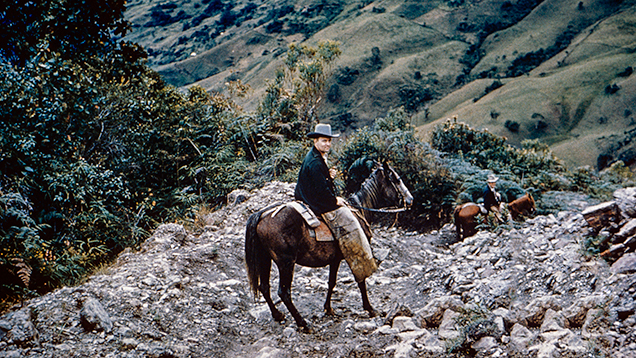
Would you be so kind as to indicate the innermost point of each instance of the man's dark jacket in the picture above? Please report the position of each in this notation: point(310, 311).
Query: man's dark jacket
point(315, 186)
point(490, 198)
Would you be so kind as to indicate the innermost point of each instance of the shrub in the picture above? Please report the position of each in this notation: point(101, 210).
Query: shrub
point(533, 163)
point(392, 139)
point(512, 126)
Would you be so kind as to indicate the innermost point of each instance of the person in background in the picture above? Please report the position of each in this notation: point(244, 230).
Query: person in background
point(492, 199)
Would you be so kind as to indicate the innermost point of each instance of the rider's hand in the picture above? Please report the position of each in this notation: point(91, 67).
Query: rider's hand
point(340, 201)
point(333, 172)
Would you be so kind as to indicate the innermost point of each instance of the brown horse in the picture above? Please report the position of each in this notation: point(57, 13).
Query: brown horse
point(465, 222)
point(285, 239)
point(465, 214)
point(521, 206)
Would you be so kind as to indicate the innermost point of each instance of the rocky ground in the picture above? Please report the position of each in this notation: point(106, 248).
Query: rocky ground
point(528, 291)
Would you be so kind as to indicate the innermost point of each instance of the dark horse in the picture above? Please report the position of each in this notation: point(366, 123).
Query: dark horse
point(465, 214)
point(285, 239)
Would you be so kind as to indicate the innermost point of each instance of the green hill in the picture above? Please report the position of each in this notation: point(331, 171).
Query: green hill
point(555, 70)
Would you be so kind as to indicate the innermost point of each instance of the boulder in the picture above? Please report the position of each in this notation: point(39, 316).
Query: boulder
point(22, 331)
point(520, 337)
point(625, 265)
point(535, 311)
point(432, 314)
point(447, 328)
point(93, 316)
point(626, 201)
point(553, 321)
point(601, 215)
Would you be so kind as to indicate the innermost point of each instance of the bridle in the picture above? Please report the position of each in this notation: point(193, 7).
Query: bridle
point(388, 209)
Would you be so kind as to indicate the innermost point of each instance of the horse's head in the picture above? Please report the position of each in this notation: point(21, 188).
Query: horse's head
point(531, 204)
point(382, 191)
point(395, 190)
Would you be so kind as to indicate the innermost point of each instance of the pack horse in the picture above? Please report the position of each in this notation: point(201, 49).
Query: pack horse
point(285, 239)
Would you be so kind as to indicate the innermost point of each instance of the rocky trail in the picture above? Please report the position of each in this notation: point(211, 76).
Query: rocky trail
point(525, 292)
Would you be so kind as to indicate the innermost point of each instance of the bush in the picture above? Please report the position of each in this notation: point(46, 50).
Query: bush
point(533, 164)
point(392, 139)
point(512, 126)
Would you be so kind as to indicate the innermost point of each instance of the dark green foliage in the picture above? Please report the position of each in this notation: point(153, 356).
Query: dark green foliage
point(496, 84)
point(413, 96)
point(71, 30)
point(512, 126)
point(611, 89)
point(488, 151)
point(627, 72)
point(594, 245)
point(392, 139)
point(474, 323)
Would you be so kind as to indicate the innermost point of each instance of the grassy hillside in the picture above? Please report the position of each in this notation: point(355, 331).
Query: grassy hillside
point(580, 102)
point(555, 70)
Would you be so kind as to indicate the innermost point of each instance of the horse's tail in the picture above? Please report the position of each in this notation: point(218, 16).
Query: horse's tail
point(253, 252)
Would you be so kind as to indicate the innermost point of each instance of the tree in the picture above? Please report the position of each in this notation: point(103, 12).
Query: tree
point(67, 27)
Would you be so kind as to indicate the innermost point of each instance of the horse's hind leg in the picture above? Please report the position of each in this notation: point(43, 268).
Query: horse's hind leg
point(333, 274)
point(264, 271)
point(286, 273)
point(365, 298)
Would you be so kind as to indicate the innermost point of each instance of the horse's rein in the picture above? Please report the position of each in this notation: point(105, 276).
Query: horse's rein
point(383, 210)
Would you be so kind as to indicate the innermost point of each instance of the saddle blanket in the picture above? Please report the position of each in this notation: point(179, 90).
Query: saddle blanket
point(317, 229)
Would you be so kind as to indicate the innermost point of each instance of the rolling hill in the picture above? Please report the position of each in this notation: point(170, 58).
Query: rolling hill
point(555, 70)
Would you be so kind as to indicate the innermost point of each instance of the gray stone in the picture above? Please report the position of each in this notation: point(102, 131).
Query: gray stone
point(596, 322)
point(553, 321)
point(430, 344)
point(269, 352)
point(520, 337)
point(365, 326)
point(545, 350)
point(164, 237)
point(625, 265)
point(535, 310)
point(402, 324)
point(626, 200)
point(627, 230)
point(447, 328)
point(432, 314)
point(575, 313)
point(93, 316)
point(23, 332)
point(485, 344)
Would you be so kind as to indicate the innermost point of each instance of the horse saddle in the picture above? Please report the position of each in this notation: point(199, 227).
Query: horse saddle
point(317, 228)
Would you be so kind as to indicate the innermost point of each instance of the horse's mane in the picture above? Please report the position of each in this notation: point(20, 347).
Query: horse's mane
point(367, 195)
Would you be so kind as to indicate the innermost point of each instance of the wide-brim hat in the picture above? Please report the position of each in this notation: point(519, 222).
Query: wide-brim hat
point(322, 130)
point(492, 178)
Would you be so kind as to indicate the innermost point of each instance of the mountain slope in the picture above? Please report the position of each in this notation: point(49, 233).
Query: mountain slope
point(523, 69)
point(581, 101)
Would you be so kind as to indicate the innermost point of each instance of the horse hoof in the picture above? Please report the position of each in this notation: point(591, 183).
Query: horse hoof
point(307, 330)
point(330, 312)
point(278, 317)
point(372, 313)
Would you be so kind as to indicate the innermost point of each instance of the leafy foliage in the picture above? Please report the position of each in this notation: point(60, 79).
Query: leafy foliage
point(533, 164)
point(97, 150)
point(392, 139)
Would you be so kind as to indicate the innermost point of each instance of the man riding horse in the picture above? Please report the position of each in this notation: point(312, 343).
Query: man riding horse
point(492, 199)
point(316, 188)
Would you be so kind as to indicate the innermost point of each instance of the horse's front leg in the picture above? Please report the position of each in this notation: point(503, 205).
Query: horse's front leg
point(365, 298)
point(286, 273)
point(333, 274)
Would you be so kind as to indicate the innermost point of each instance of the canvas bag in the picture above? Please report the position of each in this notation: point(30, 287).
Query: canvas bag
point(352, 241)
